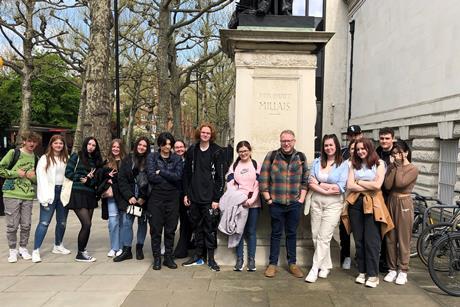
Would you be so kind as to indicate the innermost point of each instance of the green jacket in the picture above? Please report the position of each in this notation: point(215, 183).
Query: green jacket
point(15, 186)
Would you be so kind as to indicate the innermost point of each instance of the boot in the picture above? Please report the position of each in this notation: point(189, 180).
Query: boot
point(212, 264)
point(125, 254)
point(169, 262)
point(139, 252)
point(156, 263)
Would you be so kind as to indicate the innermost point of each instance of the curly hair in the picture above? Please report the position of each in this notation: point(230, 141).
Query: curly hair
point(210, 126)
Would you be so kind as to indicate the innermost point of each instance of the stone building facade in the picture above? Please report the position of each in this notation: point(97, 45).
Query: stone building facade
point(405, 75)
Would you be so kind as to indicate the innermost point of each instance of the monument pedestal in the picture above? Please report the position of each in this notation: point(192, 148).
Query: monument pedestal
point(275, 90)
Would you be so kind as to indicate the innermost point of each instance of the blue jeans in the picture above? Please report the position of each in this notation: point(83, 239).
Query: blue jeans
point(114, 224)
point(287, 217)
point(127, 229)
point(250, 234)
point(46, 214)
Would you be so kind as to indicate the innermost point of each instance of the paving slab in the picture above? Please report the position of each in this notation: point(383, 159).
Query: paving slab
point(31, 299)
point(57, 269)
point(151, 297)
point(243, 299)
point(8, 281)
point(47, 283)
point(87, 299)
point(13, 269)
point(127, 267)
point(109, 283)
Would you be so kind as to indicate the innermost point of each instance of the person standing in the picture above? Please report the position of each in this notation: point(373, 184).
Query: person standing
point(366, 214)
point(81, 169)
point(328, 182)
point(185, 229)
point(203, 187)
point(386, 139)
point(18, 169)
point(399, 181)
point(283, 183)
point(108, 190)
point(133, 190)
point(164, 171)
point(354, 133)
point(243, 176)
point(50, 176)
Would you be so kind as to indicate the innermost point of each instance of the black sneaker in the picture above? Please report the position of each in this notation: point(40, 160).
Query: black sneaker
point(251, 265)
point(169, 262)
point(194, 260)
point(239, 265)
point(84, 257)
point(212, 264)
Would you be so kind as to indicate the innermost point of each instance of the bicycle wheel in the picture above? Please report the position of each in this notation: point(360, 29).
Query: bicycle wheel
point(445, 254)
point(428, 237)
point(416, 231)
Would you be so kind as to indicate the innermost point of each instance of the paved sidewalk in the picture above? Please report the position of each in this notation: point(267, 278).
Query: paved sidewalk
point(60, 281)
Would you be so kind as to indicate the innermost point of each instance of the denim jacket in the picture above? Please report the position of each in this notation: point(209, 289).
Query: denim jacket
point(338, 174)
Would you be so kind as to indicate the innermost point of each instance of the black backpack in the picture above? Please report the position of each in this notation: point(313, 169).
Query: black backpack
point(16, 155)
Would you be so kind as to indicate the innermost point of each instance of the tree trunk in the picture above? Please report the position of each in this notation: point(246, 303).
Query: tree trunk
point(163, 58)
point(130, 129)
point(99, 106)
point(27, 71)
point(78, 137)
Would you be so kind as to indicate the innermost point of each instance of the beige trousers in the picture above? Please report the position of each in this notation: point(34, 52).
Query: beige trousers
point(325, 215)
point(18, 212)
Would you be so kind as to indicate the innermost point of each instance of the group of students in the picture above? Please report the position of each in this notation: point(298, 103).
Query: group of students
point(173, 184)
point(370, 194)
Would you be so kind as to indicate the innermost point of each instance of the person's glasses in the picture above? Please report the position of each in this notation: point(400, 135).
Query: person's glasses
point(395, 153)
point(286, 141)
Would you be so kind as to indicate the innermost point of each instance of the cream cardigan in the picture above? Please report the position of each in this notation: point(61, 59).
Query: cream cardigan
point(46, 180)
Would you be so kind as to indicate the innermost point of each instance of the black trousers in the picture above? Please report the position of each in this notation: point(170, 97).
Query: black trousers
point(366, 232)
point(344, 242)
point(185, 230)
point(204, 223)
point(163, 207)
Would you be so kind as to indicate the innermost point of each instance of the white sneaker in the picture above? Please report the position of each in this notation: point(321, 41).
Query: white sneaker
point(111, 253)
point(118, 253)
point(401, 279)
point(36, 256)
point(312, 275)
point(13, 257)
point(360, 279)
point(346, 265)
point(24, 253)
point(391, 276)
point(60, 249)
point(323, 273)
point(372, 282)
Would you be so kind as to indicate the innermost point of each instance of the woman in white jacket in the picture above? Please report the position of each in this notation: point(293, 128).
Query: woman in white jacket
point(50, 176)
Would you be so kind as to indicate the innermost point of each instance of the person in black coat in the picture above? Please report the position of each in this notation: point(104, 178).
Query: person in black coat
point(164, 171)
point(133, 190)
point(204, 173)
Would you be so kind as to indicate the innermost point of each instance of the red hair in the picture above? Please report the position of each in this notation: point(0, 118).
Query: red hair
point(210, 126)
point(372, 157)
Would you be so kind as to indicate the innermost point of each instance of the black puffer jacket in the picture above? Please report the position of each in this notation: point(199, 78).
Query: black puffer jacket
point(170, 171)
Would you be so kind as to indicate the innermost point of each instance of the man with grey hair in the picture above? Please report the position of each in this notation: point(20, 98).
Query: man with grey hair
point(283, 183)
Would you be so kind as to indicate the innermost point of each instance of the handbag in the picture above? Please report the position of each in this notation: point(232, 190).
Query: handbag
point(67, 187)
point(134, 210)
point(108, 193)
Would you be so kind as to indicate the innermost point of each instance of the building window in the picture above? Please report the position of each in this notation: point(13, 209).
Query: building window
point(447, 170)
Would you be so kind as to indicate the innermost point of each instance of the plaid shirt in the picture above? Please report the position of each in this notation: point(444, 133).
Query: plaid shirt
point(282, 180)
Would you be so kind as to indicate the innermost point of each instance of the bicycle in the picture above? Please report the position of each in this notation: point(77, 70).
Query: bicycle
point(420, 204)
point(444, 263)
point(433, 232)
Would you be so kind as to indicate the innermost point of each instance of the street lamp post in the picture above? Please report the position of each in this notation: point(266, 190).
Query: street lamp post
point(117, 69)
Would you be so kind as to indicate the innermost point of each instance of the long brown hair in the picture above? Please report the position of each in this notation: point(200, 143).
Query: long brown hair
point(372, 157)
point(50, 156)
point(111, 159)
point(337, 156)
